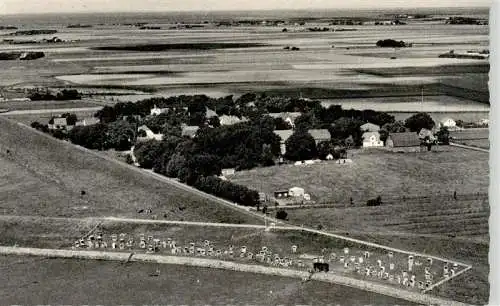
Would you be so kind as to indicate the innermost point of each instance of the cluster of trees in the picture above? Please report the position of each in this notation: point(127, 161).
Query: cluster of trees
point(118, 135)
point(65, 94)
point(227, 190)
point(391, 43)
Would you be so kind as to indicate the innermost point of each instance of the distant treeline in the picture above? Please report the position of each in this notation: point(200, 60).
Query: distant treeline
point(33, 32)
point(466, 20)
point(8, 28)
point(65, 94)
point(23, 56)
point(180, 46)
point(72, 26)
point(391, 43)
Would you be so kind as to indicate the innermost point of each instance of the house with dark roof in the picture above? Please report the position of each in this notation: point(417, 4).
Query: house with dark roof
point(369, 127)
point(319, 135)
point(403, 142)
point(189, 131)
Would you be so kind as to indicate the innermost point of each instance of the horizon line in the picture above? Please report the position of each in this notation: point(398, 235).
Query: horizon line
point(249, 10)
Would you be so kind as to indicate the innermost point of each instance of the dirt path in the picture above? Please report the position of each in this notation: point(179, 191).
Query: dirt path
point(219, 264)
point(469, 147)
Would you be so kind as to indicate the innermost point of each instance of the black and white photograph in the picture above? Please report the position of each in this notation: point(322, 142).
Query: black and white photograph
point(283, 152)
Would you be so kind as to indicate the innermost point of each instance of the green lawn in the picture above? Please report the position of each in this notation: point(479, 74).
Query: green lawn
point(30, 280)
point(373, 173)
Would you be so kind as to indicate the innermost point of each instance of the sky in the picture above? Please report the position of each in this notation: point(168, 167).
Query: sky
point(54, 6)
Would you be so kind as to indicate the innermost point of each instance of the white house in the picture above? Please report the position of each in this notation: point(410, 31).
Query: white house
point(296, 192)
point(157, 111)
point(228, 171)
point(230, 120)
point(369, 127)
point(372, 140)
point(149, 134)
point(448, 122)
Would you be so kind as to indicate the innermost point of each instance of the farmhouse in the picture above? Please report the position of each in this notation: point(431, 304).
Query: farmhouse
point(296, 192)
point(369, 127)
point(371, 140)
point(403, 142)
point(157, 111)
point(59, 123)
point(149, 134)
point(189, 131)
point(281, 194)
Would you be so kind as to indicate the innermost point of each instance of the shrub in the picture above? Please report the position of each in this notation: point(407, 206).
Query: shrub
point(281, 214)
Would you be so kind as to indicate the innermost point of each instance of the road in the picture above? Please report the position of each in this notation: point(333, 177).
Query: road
point(415, 297)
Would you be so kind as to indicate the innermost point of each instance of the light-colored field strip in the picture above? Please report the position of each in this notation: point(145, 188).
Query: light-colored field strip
point(236, 207)
point(469, 147)
point(219, 264)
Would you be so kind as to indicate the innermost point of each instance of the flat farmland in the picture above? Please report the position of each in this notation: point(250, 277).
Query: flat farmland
point(54, 173)
point(37, 105)
point(68, 281)
point(372, 173)
point(432, 217)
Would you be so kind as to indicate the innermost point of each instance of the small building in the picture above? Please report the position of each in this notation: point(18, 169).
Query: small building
point(483, 122)
point(281, 194)
point(372, 140)
point(157, 111)
point(59, 123)
point(228, 172)
point(448, 122)
point(426, 134)
point(369, 127)
point(230, 120)
point(329, 157)
point(296, 192)
point(149, 134)
point(403, 142)
point(189, 131)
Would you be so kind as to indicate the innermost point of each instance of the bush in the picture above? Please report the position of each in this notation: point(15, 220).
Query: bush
point(374, 202)
point(281, 214)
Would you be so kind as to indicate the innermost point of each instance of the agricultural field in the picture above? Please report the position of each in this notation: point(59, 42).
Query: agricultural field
point(377, 172)
point(51, 174)
point(67, 281)
point(45, 105)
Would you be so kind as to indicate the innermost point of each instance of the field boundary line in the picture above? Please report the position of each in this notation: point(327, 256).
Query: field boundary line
point(227, 265)
point(468, 147)
point(447, 279)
